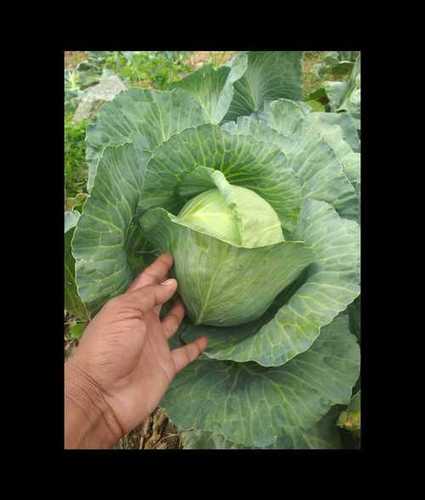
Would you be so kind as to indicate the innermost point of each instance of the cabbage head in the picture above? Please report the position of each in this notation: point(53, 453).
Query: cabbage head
point(257, 198)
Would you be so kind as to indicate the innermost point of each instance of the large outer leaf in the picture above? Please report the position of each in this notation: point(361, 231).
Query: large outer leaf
point(202, 440)
point(269, 76)
point(73, 304)
point(223, 284)
point(107, 242)
point(318, 155)
point(152, 115)
point(334, 128)
point(351, 101)
point(335, 92)
point(323, 435)
point(254, 406)
point(318, 148)
point(331, 284)
point(346, 96)
point(345, 122)
point(258, 129)
point(244, 161)
point(213, 89)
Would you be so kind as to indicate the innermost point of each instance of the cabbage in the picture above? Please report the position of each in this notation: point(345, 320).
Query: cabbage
point(257, 198)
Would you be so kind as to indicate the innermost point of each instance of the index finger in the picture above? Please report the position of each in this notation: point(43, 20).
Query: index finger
point(153, 274)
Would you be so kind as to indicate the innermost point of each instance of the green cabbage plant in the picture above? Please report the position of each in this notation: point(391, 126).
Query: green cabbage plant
point(257, 198)
point(341, 96)
point(337, 63)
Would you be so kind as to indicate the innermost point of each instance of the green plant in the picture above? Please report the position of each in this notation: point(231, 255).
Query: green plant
point(336, 64)
point(75, 162)
point(90, 70)
point(71, 90)
point(341, 96)
point(73, 304)
point(257, 198)
point(350, 418)
point(345, 96)
point(149, 68)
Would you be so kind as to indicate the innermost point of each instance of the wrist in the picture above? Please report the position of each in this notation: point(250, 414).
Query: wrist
point(89, 421)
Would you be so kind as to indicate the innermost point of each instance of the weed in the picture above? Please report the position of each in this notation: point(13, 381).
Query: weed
point(149, 69)
point(75, 162)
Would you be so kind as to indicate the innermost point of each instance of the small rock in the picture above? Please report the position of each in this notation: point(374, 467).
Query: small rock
point(109, 86)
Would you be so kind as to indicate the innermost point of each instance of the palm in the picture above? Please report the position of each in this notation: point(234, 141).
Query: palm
point(130, 345)
point(154, 370)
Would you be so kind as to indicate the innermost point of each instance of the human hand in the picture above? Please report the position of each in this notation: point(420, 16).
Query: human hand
point(123, 364)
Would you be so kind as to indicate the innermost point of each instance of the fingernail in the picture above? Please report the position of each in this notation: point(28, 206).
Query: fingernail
point(169, 282)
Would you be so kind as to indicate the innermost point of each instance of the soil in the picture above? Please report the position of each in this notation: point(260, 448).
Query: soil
point(157, 432)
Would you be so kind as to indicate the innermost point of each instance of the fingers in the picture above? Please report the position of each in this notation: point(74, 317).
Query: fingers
point(155, 273)
point(173, 319)
point(182, 356)
point(146, 298)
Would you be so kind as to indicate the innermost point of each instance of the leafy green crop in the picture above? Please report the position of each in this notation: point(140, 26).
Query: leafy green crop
point(337, 63)
point(257, 197)
point(341, 95)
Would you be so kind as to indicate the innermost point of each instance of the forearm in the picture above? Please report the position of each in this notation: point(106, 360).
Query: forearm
point(89, 421)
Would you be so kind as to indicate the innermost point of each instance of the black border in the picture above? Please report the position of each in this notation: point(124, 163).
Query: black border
point(178, 456)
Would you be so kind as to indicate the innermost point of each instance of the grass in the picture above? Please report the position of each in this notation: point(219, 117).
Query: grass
point(149, 69)
point(75, 162)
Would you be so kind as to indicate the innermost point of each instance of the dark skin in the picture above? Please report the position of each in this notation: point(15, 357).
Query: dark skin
point(123, 364)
